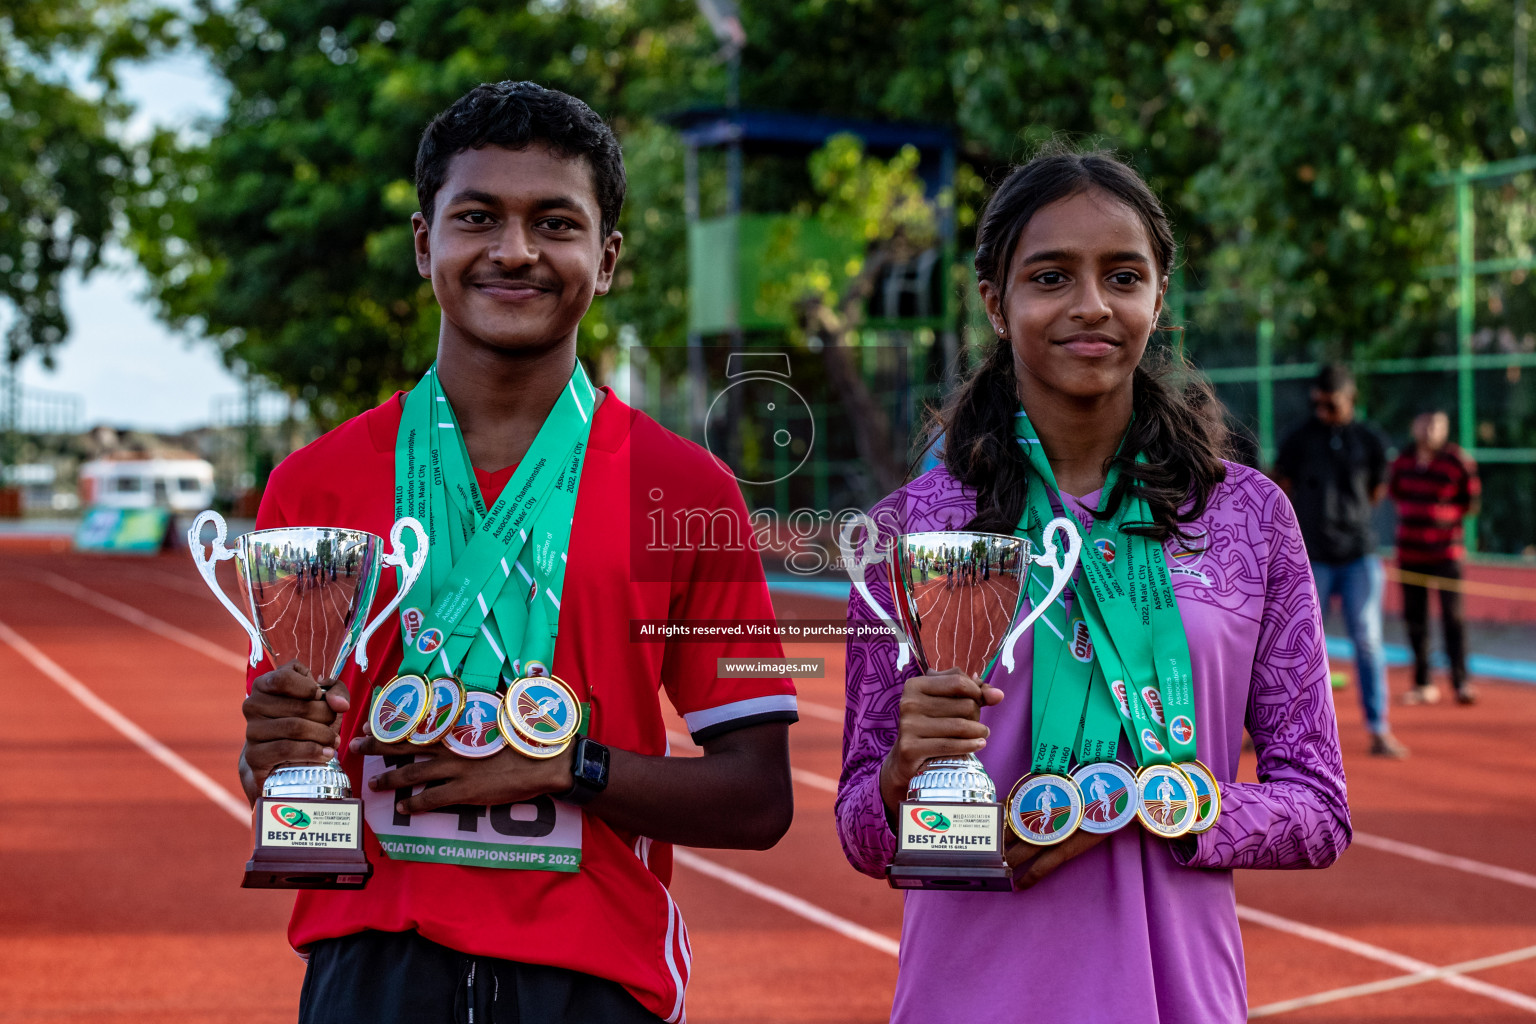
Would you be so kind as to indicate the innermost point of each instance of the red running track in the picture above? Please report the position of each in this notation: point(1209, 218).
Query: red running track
point(121, 900)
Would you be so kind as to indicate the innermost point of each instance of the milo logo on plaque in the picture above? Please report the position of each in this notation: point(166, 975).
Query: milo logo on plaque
point(1082, 642)
point(290, 817)
point(1154, 702)
point(929, 820)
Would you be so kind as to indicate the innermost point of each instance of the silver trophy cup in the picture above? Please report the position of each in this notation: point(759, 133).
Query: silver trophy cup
point(958, 595)
point(309, 590)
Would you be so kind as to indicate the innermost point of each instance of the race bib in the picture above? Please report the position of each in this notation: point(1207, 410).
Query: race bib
point(542, 834)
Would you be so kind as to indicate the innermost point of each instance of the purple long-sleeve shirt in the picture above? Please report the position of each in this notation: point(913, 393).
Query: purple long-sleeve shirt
point(1137, 929)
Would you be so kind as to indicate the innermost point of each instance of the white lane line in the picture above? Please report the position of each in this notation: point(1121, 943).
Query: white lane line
point(157, 626)
point(107, 713)
point(779, 898)
point(1445, 860)
point(1406, 964)
point(812, 779)
point(1388, 984)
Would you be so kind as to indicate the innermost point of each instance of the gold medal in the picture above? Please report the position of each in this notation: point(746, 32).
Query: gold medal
point(1167, 800)
point(1207, 795)
point(520, 743)
point(398, 708)
point(1044, 809)
point(541, 709)
point(1109, 796)
point(476, 732)
point(447, 701)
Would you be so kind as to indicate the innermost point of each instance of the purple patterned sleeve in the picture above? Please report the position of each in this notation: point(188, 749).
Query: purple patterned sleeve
point(933, 501)
point(869, 727)
point(1297, 815)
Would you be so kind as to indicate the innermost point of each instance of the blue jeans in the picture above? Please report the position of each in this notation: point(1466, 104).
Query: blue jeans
point(1358, 585)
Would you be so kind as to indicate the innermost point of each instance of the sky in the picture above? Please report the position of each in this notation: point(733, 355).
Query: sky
point(129, 369)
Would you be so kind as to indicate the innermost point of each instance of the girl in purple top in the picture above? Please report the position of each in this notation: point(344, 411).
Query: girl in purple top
point(1072, 255)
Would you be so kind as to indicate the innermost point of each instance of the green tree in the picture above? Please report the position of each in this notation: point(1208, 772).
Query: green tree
point(286, 237)
point(876, 211)
point(64, 176)
point(1320, 190)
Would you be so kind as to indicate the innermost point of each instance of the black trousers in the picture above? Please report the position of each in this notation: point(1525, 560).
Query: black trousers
point(402, 978)
point(1416, 617)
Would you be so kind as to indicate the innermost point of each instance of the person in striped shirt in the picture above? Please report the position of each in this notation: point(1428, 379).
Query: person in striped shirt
point(1435, 486)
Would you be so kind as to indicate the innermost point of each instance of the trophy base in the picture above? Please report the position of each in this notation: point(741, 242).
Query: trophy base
point(954, 873)
point(307, 844)
point(951, 845)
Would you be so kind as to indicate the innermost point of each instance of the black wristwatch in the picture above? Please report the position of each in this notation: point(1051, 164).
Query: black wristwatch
point(589, 770)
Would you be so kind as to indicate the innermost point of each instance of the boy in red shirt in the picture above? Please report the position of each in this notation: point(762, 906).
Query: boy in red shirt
point(509, 887)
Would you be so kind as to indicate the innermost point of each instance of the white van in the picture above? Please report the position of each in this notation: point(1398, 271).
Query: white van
point(181, 485)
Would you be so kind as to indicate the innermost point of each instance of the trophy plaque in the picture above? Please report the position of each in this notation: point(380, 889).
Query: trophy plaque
point(957, 594)
point(309, 590)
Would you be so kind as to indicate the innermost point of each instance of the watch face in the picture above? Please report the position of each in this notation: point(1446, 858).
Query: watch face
point(594, 762)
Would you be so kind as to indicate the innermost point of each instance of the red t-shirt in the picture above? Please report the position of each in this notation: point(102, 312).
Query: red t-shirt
point(1433, 499)
point(614, 917)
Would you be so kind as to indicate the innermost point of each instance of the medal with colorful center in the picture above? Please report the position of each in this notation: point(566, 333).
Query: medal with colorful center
point(1207, 795)
point(541, 709)
point(476, 732)
point(1044, 808)
point(398, 708)
point(447, 701)
point(1109, 796)
point(1167, 800)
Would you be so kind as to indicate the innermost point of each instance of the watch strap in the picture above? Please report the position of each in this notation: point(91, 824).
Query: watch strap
point(589, 772)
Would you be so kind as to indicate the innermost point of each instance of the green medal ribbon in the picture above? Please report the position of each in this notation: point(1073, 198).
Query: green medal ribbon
point(495, 600)
point(1061, 682)
point(1127, 603)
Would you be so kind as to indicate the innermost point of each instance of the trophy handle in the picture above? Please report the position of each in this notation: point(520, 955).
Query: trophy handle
point(854, 564)
point(207, 565)
point(1061, 575)
point(412, 570)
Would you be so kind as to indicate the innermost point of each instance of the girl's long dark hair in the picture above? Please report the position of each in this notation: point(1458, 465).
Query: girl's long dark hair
point(1178, 421)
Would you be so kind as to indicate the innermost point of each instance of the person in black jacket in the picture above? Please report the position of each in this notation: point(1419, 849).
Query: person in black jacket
point(1334, 469)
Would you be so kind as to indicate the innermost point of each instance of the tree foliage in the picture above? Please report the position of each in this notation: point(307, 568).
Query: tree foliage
point(287, 236)
point(64, 175)
point(1293, 140)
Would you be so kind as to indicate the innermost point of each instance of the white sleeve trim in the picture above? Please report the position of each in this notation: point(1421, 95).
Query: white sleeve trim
point(698, 721)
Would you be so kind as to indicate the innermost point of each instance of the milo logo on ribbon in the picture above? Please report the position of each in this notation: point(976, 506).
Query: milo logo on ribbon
point(1121, 698)
point(1154, 702)
point(290, 817)
point(410, 624)
point(1082, 642)
point(930, 820)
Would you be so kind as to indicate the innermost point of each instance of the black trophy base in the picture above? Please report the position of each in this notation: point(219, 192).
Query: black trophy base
point(272, 869)
point(953, 872)
point(307, 844)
